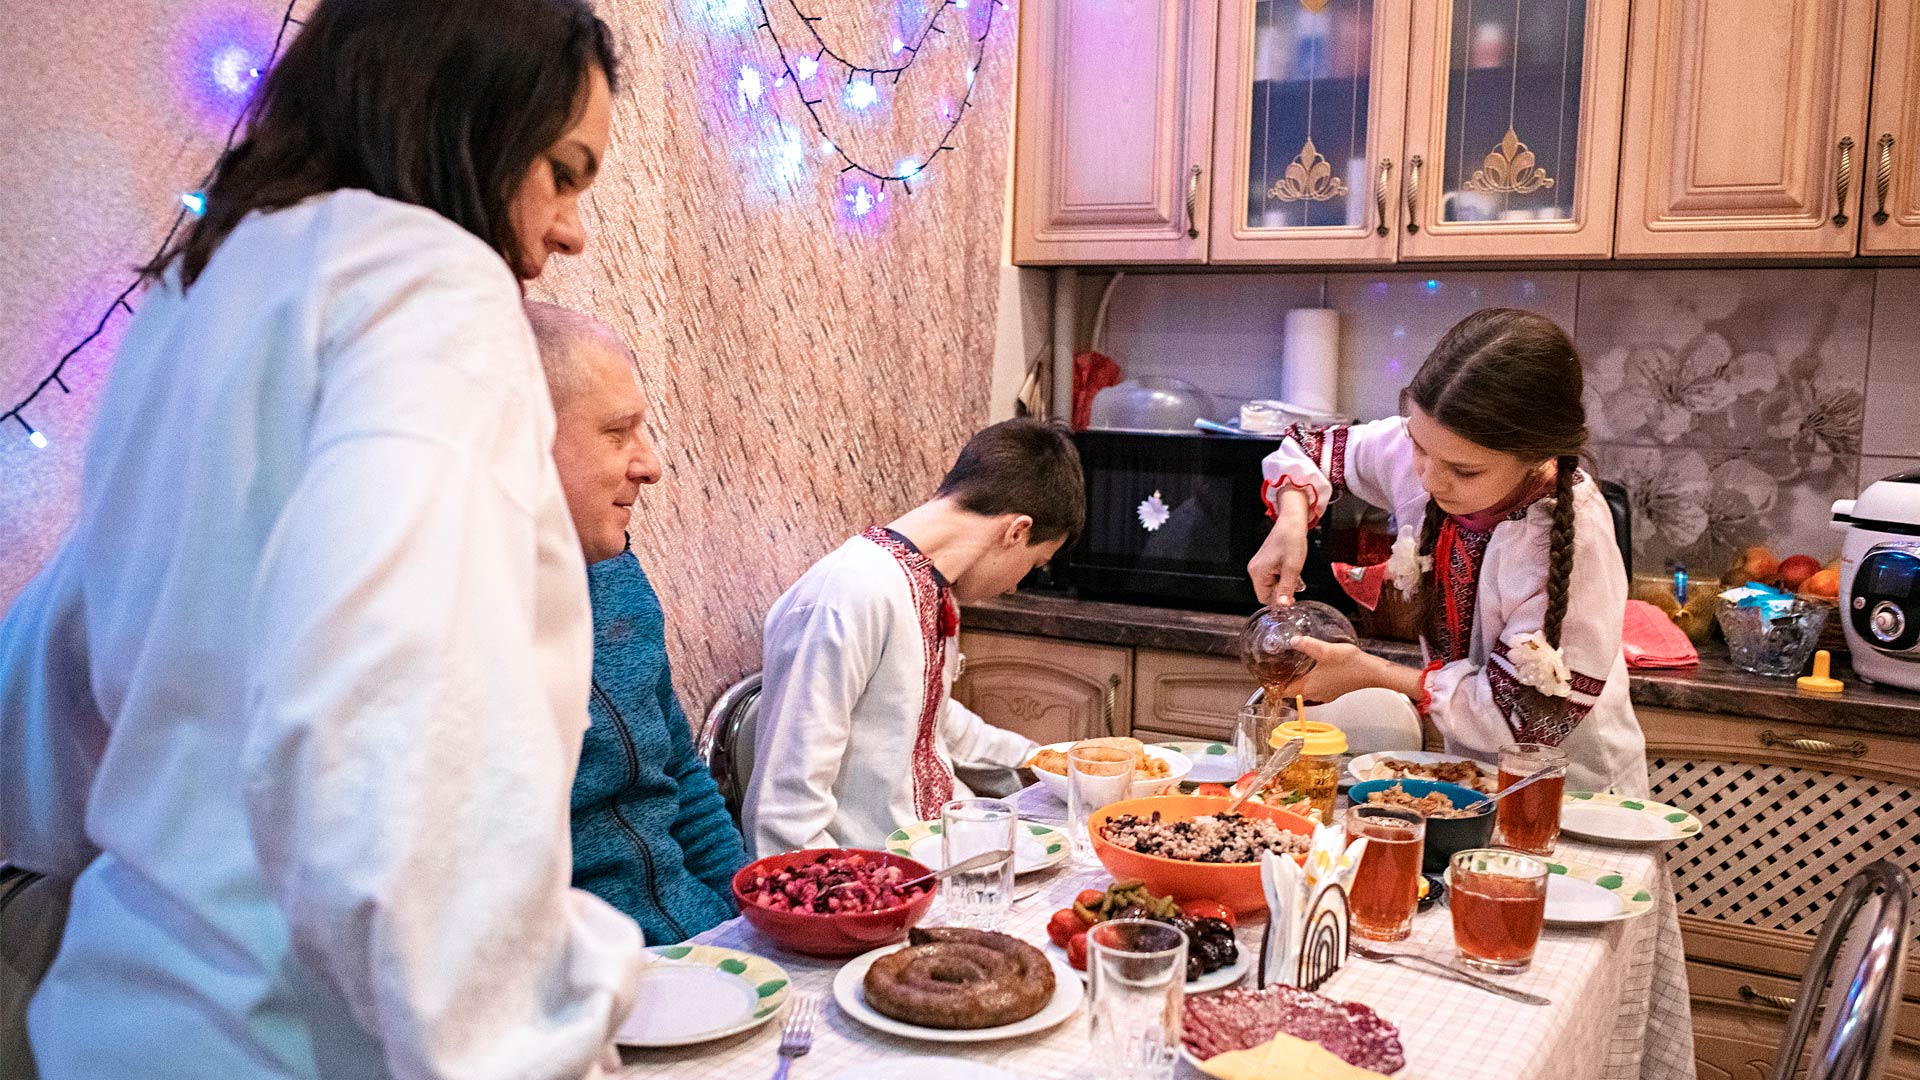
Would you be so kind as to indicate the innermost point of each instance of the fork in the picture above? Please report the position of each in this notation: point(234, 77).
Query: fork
point(1445, 971)
point(796, 1038)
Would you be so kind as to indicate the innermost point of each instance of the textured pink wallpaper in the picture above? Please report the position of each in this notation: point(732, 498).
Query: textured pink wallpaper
point(812, 371)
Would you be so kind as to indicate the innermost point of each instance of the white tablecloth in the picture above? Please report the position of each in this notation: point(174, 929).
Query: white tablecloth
point(1619, 997)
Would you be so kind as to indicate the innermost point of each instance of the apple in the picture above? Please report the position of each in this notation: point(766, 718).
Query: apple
point(1757, 563)
point(1797, 569)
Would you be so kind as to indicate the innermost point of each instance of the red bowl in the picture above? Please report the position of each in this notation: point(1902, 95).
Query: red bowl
point(840, 934)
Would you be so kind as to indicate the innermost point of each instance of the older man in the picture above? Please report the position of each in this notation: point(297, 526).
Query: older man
point(651, 835)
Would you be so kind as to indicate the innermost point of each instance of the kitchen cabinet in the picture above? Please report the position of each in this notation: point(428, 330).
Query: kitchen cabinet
point(1188, 697)
point(1890, 221)
point(1513, 129)
point(1746, 127)
point(1114, 131)
point(1308, 109)
point(1739, 1019)
point(1048, 690)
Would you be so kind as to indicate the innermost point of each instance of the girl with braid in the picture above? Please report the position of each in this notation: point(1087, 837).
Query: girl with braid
point(1506, 543)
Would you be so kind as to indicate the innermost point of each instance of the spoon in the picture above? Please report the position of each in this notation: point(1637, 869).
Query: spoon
point(1543, 774)
point(972, 862)
point(1281, 758)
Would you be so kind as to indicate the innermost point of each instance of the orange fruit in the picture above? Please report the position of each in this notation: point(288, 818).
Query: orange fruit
point(1823, 583)
point(1761, 564)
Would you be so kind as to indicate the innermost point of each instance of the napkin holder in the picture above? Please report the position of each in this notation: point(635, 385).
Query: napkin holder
point(1308, 919)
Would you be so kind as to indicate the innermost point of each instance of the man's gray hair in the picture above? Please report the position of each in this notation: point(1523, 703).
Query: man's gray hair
point(566, 338)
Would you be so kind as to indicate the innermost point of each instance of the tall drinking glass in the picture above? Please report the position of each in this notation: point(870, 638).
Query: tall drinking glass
point(1499, 902)
point(1253, 732)
point(1530, 820)
point(1137, 979)
point(1386, 887)
point(978, 899)
point(1096, 777)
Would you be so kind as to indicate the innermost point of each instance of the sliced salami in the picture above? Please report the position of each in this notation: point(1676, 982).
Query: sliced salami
point(1242, 1019)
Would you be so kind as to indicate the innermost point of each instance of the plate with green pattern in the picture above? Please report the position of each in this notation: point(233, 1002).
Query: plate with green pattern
point(1581, 895)
point(1213, 762)
point(1621, 819)
point(698, 993)
point(1035, 846)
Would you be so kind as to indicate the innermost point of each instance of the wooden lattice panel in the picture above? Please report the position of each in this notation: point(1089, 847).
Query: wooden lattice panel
point(1781, 840)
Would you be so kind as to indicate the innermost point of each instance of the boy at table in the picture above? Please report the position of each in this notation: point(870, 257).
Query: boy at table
point(858, 734)
point(651, 835)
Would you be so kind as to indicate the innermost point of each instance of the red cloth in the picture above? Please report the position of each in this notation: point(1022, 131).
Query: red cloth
point(1362, 583)
point(1092, 373)
point(1650, 640)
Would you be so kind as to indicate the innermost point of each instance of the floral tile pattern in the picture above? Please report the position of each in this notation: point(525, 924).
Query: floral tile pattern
point(1728, 359)
point(1700, 507)
point(1732, 404)
point(1893, 367)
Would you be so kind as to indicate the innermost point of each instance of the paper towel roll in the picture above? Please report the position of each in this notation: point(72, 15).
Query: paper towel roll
point(1310, 359)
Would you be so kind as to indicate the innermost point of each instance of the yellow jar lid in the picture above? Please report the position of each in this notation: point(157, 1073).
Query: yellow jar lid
point(1322, 739)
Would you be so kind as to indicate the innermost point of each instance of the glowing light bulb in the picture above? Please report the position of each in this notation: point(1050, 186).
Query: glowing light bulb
point(805, 67)
point(1433, 285)
point(898, 45)
point(860, 199)
point(907, 169)
point(861, 94)
point(970, 73)
point(37, 439)
point(195, 202)
point(749, 86)
point(233, 70)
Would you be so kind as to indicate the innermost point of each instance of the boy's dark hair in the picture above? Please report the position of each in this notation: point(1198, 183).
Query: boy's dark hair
point(1022, 467)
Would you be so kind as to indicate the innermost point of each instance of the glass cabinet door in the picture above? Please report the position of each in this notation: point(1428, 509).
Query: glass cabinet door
point(1513, 128)
point(1308, 127)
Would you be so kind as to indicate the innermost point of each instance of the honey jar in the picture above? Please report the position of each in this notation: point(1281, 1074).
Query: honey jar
point(1312, 782)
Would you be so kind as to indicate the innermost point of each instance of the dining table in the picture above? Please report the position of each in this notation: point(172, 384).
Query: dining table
point(1617, 990)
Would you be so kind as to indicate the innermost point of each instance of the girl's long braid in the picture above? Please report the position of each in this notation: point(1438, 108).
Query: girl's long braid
point(1429, 578)
point(1560, 547)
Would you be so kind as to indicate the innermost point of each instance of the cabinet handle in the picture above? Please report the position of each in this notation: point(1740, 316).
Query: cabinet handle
point(1883, 178)
point(1413, 193)
point(1193, 196)
point(1748, 993)
point(1843, 179)
point(1110, 701)
point(1856, 748)
point(1380, 195)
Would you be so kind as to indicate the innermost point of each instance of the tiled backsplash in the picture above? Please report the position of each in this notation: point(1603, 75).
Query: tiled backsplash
point(1735, 405)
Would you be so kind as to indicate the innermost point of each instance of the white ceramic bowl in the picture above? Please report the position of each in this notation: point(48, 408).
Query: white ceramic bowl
point(1178, 766)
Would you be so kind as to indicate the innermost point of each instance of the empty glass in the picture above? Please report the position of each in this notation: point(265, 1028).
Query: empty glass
point(978, 899)
point(1253, 731)
point(1096, 777)
point(1137, 980)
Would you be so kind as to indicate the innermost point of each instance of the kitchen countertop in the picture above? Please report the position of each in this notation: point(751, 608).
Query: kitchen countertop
point(1715, 686)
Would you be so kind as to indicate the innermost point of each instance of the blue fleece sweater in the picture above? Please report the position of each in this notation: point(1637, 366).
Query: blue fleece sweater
point(651, 835)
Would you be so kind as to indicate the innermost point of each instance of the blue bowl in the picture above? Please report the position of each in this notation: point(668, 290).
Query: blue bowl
point(1445, 836)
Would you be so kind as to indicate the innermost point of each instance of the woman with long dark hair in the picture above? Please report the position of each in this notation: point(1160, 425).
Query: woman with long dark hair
point(300, 698)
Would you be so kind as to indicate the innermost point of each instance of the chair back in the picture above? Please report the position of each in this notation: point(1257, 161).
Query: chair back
point(33, 915)
point(1853, 980)
point(1373, 719)
point(726, 740)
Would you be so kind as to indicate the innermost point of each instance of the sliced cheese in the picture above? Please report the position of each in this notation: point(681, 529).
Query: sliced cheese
point(1284, 1057)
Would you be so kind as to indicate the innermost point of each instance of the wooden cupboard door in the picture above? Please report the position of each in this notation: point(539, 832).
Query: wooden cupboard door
point(1191, 696)
point(1746, 127)
point(1114, 131)
point(1890, 221)
point(1048, 690)
point(1309, 101)
point(1739, 1019)
point(1513, 128)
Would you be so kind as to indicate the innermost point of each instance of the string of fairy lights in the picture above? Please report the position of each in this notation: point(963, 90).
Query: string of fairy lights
point(860, 90)
point(193, 203)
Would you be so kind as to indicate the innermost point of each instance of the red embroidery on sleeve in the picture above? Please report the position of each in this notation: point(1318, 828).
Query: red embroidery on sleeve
point(932, 778)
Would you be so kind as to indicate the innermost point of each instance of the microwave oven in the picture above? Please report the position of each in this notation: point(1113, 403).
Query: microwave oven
point(1173, 518)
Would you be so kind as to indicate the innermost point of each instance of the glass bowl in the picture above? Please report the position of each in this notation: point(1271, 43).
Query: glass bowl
point(1773, 639)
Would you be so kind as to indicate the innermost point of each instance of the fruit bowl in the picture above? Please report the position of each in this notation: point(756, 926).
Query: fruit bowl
point(839, 933)
point(1237, 885)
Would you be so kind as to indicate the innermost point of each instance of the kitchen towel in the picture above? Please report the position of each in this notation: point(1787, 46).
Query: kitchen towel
point(1310, 359)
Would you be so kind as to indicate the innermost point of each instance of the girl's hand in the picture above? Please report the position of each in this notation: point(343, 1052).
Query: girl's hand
point(1275, 568)
point(1341, 669)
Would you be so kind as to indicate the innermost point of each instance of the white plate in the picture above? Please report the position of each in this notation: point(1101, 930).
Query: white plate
point(1178, 765)
point(1619, 819)
point(1213, 762)
point(1361, 767)
point(1035, 846)
point(1205, 984)
point(924, 1068)
point(697, 993)
point(849, 992)
point(1570, 900)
